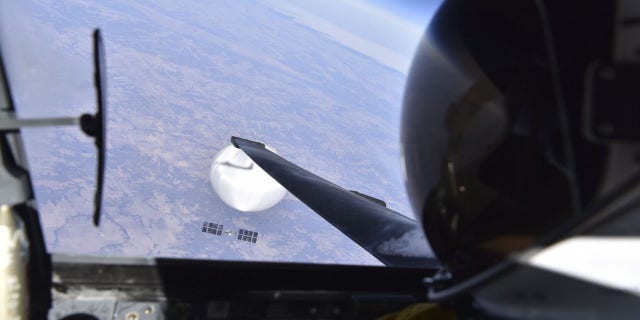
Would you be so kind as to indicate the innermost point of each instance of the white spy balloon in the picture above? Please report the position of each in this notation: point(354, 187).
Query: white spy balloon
point(241, 183)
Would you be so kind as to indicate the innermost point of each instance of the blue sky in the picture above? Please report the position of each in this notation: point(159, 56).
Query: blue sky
point(416, 12)
point(385, 30)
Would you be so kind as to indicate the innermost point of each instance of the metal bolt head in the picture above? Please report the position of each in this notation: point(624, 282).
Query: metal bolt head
point(148, 310)
point(132, 316)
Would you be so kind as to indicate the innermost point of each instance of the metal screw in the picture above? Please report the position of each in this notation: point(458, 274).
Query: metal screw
point(132, 316)
point(148, 310)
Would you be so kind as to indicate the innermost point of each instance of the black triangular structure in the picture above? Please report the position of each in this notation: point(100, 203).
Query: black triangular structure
point(366, 222)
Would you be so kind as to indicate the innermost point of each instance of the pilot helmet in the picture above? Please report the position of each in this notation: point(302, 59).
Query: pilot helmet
point(510, 115)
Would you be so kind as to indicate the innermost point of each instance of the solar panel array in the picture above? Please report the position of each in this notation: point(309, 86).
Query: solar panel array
point(246, 235)
point(213, 228)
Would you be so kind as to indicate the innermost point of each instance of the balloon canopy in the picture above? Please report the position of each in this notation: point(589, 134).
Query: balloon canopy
point(241, 183)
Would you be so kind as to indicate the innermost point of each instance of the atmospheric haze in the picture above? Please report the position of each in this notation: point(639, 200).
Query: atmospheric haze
point(183, 78)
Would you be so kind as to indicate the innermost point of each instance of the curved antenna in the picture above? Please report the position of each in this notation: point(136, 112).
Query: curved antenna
point(94, 125)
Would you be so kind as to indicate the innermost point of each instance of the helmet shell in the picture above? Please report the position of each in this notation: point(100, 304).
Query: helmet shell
point(482, 139)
